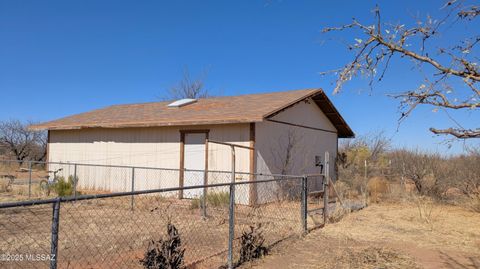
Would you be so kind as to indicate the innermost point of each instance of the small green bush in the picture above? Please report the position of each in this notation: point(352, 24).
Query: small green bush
point(215, 199)
point(64, 187)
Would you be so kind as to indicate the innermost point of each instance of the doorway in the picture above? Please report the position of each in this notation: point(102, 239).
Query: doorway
point(194, 158)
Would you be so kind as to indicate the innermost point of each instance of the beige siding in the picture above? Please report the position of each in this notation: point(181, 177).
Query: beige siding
point(160, 147)
point(272, 141)
point(144, 147)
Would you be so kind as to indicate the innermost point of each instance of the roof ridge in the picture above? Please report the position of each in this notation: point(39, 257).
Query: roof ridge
point(212, 98)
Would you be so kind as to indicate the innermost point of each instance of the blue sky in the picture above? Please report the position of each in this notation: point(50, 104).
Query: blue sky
point(64, 57)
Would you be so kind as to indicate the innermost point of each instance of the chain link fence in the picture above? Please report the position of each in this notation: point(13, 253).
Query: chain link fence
point(92, 227)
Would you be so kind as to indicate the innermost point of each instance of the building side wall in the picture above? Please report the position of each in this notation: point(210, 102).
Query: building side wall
point(275, 141)
point(143, 147)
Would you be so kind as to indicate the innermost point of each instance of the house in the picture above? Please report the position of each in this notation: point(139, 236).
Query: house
point(285, 132)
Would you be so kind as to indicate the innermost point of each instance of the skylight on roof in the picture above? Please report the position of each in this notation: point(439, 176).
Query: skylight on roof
point(182, 102)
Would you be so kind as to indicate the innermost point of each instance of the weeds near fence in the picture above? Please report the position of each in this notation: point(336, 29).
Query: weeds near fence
point(252, 245)
point(64, 187)
point(215, 199)
point(5, 185)
point(165, 253)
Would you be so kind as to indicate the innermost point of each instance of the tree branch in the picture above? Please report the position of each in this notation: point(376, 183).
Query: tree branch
point(458, 133)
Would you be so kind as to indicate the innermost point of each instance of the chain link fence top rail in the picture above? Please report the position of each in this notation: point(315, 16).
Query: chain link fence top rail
point(105, 230)
point(28, 180)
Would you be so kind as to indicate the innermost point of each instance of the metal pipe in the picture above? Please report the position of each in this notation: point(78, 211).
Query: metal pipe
point(205, 182)
point(75, 180)
point(133, 188)
point(304, 209)
point(231, 219)
point(54, 238)
point(121, 194)
point(325, 187)
point(230, 144)
point(231, 225)
point(29, 179)
point(159, 168)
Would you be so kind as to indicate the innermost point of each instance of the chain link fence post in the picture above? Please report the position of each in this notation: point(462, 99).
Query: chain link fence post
point(133, 187)
point(75, 180)
point(231, 225)
point(204, 198)
point(325, 188)
point(303, 206)
point(29, 179)
point(55, 228)
point(231, 219)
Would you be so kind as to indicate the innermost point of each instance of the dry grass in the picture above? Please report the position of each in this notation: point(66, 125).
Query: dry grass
point(366, 257)
point(19, 189)
point(388, 235)
point(5, 185)
point(450, 227)
point(318, 250)
point(20, 193)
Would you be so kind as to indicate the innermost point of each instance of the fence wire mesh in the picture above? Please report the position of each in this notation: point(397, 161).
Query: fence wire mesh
point(107, 230)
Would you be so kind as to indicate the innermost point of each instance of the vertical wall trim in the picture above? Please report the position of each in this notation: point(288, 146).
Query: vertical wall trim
point(253, 187)
point(47, 154)
point(182, 164)
point(206, 159)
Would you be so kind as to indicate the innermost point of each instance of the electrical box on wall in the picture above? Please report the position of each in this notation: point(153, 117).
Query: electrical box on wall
point(318, 163)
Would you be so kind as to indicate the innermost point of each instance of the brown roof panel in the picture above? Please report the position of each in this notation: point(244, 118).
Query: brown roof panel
point(217, 110)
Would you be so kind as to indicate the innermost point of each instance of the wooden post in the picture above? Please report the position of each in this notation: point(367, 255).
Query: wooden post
point(182, 165)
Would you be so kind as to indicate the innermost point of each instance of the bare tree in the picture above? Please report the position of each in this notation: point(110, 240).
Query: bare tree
point(189, 87)
point(24, 144)
point(422, 168)
point(462, 172)
point(288, 145)
point(451, 73)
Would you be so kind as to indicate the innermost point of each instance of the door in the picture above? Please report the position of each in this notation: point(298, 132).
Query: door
point(194, 158)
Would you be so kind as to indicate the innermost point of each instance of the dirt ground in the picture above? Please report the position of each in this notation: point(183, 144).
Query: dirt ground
point(387, 236)
point(107, 233)
point(19, 190)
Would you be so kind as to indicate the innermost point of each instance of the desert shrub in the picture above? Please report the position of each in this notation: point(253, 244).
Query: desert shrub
point(165, 253)
point(475, 205)
point(5, 185)
point(338, 213)
point(215, 199)
point(252, 245)
point(343, 189)
point(377, 188)
point(64, 187)
point(427, 209)
point(452, 179)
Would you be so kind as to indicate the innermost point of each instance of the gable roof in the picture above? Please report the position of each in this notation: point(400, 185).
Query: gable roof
point(217, 110)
